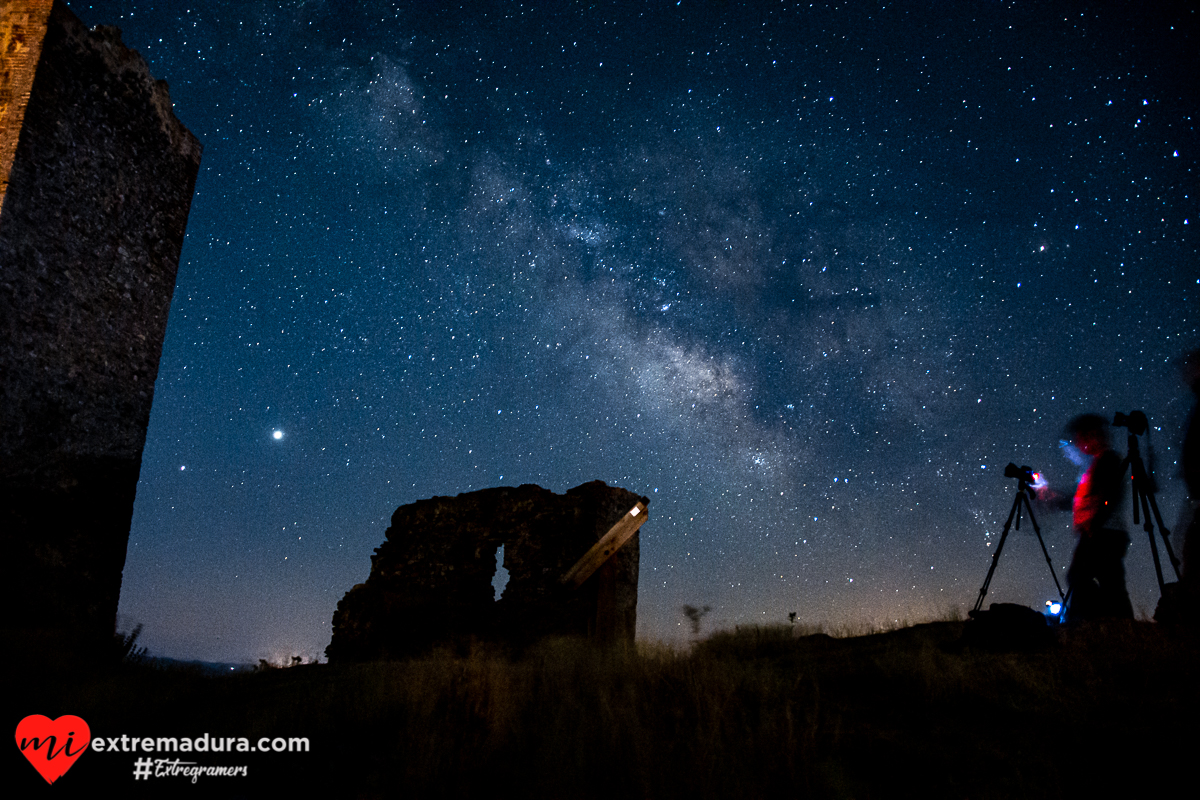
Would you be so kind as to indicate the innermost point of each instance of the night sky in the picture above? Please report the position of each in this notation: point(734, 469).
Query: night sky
point(808, 277)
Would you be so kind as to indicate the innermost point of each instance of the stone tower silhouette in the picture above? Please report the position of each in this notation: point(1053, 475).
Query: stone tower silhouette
point(96, 181)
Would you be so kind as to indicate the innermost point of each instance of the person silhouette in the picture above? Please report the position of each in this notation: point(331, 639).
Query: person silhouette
point(1096, 576)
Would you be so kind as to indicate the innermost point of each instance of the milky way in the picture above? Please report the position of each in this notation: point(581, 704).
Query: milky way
point(806, 277)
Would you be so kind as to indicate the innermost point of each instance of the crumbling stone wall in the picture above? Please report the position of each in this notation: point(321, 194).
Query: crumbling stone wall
point(96, 181)
point(431, 579)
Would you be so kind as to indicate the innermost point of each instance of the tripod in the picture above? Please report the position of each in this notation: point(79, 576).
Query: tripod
point(1024, 476)
point(1143, 492)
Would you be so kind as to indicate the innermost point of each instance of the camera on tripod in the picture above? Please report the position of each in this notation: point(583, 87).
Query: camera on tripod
point(1135, 421)
point(1024, 474)
point(1026, 478)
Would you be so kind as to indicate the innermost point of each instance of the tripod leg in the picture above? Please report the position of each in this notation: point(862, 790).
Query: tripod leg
point(1045, 552)
point(996, 555)
point(1153, 546)
point(1162, 529)
point(1143, 496)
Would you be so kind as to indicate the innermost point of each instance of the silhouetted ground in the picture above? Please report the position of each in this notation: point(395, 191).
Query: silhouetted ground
point(751, 713)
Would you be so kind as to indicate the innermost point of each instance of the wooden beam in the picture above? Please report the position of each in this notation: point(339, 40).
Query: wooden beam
point(609, 543)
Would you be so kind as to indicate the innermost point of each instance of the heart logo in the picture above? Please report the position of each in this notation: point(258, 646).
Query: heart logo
point(52, 745)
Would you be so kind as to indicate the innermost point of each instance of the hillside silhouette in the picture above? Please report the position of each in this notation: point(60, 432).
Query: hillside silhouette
point(754, 712)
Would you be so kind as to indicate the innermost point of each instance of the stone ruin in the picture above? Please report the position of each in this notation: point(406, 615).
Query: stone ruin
point(96, 180)
point(431, 579)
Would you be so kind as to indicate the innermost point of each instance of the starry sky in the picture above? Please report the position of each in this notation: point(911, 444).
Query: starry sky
point(808, 276)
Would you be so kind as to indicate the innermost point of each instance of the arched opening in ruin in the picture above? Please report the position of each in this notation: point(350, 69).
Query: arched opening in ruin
point(500, 576)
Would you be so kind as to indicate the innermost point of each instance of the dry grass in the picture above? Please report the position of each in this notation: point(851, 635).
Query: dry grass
point(755, 712)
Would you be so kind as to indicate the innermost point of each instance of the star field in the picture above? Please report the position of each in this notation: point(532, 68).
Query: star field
point(806, 276)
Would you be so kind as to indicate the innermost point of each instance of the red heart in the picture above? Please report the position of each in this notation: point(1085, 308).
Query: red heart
point(52, 745)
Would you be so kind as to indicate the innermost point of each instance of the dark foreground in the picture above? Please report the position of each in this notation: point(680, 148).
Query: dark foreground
point(756, 713)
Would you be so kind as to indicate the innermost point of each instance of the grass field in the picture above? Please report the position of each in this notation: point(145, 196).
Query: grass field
point(759, 712)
